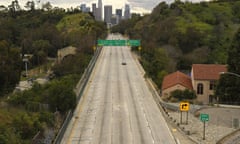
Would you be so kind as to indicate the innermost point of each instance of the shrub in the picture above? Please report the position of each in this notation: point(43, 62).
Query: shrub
point(185, 94)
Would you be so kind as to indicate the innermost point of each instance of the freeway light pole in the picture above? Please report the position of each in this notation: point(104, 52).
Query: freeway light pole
point(231, 73)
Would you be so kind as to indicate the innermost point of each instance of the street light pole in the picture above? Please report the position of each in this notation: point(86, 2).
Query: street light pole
point(231, 73)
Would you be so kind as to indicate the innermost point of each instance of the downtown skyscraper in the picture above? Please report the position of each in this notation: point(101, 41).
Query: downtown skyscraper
point(97, 11)
point(98, 15)
point(107, 13)
point(127, 13)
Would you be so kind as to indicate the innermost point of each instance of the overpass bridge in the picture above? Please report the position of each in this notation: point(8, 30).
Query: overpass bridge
point(117, 106)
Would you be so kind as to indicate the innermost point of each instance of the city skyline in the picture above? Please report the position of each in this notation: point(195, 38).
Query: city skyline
point(137, 6)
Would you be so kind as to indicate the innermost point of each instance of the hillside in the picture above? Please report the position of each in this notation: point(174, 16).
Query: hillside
point(185, 33)
point(41, 33)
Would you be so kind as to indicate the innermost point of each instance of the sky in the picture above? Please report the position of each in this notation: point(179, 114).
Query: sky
point(138, 6)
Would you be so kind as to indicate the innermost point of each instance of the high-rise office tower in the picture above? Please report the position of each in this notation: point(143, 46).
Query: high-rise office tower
point(99, 11)
point(84, 8)
point(107, 13)
point(114, 20)
point(99, 3)
point(94, 10)
point(127, 14)
point(118, 15)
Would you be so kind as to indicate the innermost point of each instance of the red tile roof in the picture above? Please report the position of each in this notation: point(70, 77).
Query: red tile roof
point(207, 71)
point(177, 78)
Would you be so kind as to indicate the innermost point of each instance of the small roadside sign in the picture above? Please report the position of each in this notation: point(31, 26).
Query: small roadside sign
point(204, 117)
point(184, 106)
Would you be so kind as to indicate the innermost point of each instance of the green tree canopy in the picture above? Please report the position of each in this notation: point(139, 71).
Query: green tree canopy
point(228, 87)
point(10, 67)
point(183, 94)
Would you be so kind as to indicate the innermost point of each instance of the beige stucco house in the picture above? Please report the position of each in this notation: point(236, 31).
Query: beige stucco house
point(204, 78)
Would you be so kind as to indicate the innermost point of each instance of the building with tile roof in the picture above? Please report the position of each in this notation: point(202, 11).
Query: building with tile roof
point(204, 77)
point(202, 80)
point(175, 81)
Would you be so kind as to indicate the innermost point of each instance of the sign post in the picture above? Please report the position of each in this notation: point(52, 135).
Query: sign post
point(204, 118)
point(184, 107)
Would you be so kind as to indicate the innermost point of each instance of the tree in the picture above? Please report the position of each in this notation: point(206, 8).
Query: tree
point(183, 94)
point(155, 62)
point(61, 96)
point(10, 67)
point(228, 87)
point(7, 136)
point(47, 6)
point(14, 7)
point(27, 126)
point(66, 67)
point(234, 54)
point(30, 5)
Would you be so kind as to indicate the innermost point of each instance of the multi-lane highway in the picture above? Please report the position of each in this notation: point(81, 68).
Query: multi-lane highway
point(117, 106)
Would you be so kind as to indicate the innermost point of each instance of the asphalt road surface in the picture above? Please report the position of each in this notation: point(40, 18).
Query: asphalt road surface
point(117, 106)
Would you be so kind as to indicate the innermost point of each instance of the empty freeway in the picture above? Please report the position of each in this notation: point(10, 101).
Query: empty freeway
point(117, 107)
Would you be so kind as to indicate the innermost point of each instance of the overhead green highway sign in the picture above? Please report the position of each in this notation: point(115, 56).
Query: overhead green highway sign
point(119, 42)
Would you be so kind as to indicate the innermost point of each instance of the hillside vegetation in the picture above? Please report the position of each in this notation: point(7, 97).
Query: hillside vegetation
point(175, 36)
point(40, 33)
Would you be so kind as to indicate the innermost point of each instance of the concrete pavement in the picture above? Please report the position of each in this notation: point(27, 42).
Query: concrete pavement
point(117, 106)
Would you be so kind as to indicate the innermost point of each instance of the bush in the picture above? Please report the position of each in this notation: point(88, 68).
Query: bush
point(26, 125)
point(185, 94)
point(58, 94)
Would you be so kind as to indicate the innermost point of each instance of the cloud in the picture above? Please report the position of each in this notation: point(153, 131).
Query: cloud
point(145, 4)
point(140, 10)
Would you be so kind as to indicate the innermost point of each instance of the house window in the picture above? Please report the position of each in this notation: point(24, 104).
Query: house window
point(200, 88)
point(212, 85)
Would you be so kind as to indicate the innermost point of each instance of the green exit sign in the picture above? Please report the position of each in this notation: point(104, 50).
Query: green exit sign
point(119, 43)
point(204, 117)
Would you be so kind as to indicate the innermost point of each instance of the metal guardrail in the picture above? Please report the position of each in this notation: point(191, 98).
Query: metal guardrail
point(86, 75)
point(175, 107)
point(79, 89)
point(63, 128)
